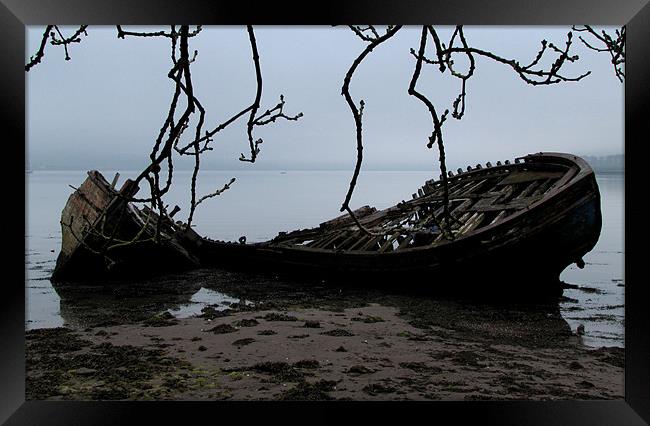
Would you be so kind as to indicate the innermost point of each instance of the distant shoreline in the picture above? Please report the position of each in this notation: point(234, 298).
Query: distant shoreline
point(609, 164)
point(609, 172)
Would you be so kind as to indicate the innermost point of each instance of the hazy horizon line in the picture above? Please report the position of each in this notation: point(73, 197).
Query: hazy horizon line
point(323, 166)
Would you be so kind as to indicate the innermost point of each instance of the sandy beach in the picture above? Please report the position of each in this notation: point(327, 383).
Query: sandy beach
point(287, 343)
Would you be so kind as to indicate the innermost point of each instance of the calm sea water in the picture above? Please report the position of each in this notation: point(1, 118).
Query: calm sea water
point(262, 203)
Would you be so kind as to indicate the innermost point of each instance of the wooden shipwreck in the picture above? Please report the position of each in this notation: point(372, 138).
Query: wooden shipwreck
point(103, 236)
point(514, 225)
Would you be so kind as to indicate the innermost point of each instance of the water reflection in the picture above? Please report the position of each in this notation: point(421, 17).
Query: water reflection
point(597, 302)
point(111, 304)
point(185, 295)
point(202, 299)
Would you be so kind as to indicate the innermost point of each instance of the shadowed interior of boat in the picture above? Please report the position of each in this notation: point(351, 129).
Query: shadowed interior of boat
point(479, 197)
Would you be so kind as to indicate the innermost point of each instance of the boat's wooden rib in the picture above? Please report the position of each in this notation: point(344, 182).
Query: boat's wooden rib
point(473, 222)
point(487, 202)
point(543, 186)
point(565, 179)
point(498, 217)
point(530, 175)
point(457, 187)
point(472, 188)
point(371, 242)
point(529, 187)
point(461, 208)
point(405, 242)
point(345, 219)
point(326, 240)
point(352, 236)
point(388, 243)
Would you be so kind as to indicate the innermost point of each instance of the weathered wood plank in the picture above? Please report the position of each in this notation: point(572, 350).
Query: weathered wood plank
point(486, 201)
point(454, 226)
point(353, 236)
point(545, 185)
point(521, 176)
point(83, 209)
point(115, 179)
point(405, 242)
point(371, 243)
point(564, 179)
point(498, 217)
point(389, 242)
point(462, 207)
point(363, 238)
point(324, 240)
point(346, 219)
point(512, 205)
point(477, 185)
point(528, 190)
point(507, 193)
point(472, 223)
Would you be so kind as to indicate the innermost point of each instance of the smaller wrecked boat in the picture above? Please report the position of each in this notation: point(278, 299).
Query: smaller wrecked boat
point(515, 226)
point(105, 236)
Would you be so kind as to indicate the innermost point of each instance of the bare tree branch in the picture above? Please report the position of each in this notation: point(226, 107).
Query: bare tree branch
point(345, 91)
point(48, 34)
point(215, 193)
point(436, 134)
point(526, 73)
point(614, 46)
point(36, 59)
point(172, 34)
point(361, 32)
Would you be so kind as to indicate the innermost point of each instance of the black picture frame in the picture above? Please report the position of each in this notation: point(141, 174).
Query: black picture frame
point(635, 14)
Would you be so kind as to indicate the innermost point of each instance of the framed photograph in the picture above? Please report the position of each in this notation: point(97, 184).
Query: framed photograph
point(271, 206)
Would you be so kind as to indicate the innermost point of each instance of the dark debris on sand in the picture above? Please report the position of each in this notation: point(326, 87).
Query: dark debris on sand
point(222, 329)
point(340, 332)
point(60, 365)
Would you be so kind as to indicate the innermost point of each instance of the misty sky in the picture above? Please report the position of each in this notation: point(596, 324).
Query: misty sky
point(103, 108)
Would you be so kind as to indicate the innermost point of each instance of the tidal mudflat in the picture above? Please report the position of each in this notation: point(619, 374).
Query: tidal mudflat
point(276, 340)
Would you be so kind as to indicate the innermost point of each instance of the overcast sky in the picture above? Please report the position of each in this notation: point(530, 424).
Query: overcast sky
point(103, 108)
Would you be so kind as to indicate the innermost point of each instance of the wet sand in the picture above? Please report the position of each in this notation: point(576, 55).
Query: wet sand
point(288, 342)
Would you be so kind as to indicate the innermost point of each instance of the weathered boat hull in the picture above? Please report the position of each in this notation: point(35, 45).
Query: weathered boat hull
point(97, 222)
point(538, 257)
point(524, 247)
point(526, 253)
